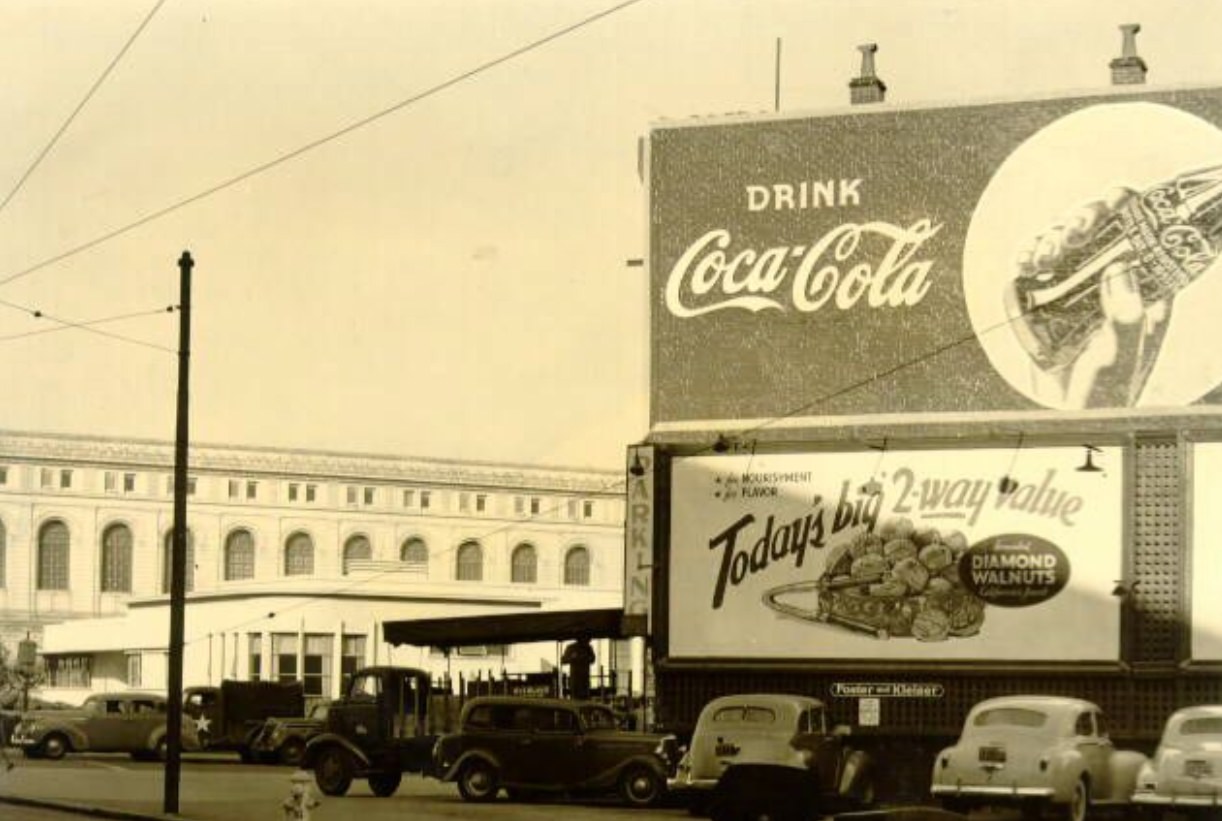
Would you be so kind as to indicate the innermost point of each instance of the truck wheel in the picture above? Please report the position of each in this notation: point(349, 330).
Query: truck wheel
point(640, 786)
point(478, 781)
point(291, 752)
point(333, 771)
point(53, 747)
point(385, 784)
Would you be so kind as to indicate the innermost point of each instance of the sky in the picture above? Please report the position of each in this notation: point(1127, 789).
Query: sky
point(412, 219)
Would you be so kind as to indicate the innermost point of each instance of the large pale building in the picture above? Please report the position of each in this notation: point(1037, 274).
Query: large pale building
point(295, 559)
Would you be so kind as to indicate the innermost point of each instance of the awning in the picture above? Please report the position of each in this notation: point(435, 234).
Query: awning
point(515, 628)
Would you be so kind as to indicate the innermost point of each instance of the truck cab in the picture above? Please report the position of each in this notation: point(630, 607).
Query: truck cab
point(377, 730)
point(230, 716)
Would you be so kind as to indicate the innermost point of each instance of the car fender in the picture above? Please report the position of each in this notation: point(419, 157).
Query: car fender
point(1123, 769)
point(613, 774)
point(940, 772)
point(76, 738)
point(470, 755)
point(1065, 768)
point(323, 741)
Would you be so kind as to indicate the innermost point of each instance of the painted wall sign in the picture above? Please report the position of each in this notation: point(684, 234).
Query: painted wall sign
point(887, 689)
point(926, 261)
point(918, 555)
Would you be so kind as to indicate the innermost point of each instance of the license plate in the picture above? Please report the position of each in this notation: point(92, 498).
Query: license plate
point(1197, 768)
point(993, 755)
point(725, 749)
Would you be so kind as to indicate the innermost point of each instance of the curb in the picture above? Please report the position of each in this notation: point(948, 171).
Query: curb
point(87, 809)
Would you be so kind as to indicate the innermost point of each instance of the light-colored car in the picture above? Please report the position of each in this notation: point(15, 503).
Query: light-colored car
point(764, 735)
point(1186, 771)
point(106, 722)
point(1036, 752)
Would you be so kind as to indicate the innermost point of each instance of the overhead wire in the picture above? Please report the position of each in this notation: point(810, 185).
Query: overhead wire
point(89, 326)
point(81, 105)
point(321, 141)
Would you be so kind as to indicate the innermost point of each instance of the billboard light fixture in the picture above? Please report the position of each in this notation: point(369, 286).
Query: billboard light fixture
point(1089, 465)
point(638, 467)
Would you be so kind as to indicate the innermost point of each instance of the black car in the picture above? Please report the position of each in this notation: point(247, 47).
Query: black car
point(537, 745)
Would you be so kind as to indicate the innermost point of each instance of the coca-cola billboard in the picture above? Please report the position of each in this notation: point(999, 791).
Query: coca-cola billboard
point(999, 257)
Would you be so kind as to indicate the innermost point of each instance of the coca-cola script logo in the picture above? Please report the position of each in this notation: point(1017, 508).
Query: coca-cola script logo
point(1014, 570)
point(711, 275)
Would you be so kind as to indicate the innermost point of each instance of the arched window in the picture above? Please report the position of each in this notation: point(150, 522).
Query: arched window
point(415, 552)
point(577, 567)
point(357, 547)
point(524, 564)
point(53, 556)
point(470, 562)
point(167, 565)
point(299, 555)
point(239, 555)
point(117, 559)
point(1, 555)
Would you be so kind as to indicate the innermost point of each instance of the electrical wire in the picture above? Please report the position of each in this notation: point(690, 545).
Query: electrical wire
point(88, 326)
point(88, 96)
point(321, 141)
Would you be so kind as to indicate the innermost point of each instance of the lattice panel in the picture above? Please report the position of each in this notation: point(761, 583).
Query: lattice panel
point(1157, 553)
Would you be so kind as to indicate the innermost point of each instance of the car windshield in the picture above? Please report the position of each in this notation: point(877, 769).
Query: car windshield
point(741, 714)
point(1010, 717)
point(1211, 725)
point(598, 718)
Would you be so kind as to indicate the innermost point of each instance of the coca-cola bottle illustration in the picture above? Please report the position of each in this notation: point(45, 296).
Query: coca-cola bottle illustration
point(1170, 234)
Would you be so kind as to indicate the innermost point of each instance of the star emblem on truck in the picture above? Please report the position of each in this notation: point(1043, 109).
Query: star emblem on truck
point(203, 724)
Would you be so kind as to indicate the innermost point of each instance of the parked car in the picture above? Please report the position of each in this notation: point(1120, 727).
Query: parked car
point(107, 722)
point(772, 754)
point(283, 738)
point(536, 745)
point(1186, 771)
point(1035, 751)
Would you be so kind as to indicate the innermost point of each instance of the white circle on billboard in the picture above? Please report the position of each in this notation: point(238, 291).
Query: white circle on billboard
point(1074, 161)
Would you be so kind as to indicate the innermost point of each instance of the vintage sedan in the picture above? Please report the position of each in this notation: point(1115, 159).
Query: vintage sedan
point(770, 747)
point(535, 745)
point(106, 722)
point(1186, 771)
point(1036, 752)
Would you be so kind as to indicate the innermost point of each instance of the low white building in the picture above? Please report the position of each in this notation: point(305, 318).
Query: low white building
point(295, 559)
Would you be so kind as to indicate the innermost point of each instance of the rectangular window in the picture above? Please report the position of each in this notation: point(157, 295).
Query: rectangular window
point(352, 659)
point(284, 657)
point(587, 509)
point(481, 503)
point(133, 670)
point(255, 641)
point(3, 474)
point(169, 485)
point(425, 497)
point(351, 495)
point(409, 498)
point(534, 506)
point(190, 485)
point(311, 492)
point(293, 490)
point(519, 505)
point(316, 665)
point(234, 488)
point(46, 477)
point(572, 508)
point(129, 482)
point(252, 490)
point(110, 482)
point(464, 502)
point(65, 479)
point(69, 671)
point(369, 495)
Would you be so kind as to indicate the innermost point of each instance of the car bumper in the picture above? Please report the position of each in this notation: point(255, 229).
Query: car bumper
point(1162, 800)
point(993, 792)
point(685, 783)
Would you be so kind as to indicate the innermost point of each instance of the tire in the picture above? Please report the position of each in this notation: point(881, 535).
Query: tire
point(956, 805)
point(161, 750)
point(1078, 807)
point(478, 781)
point(384, 785)
point(54, 747)
point(291, 752)
point(333, 771)
point(640, 786)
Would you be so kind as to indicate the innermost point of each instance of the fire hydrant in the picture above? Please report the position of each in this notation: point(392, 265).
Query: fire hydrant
point(301, 798)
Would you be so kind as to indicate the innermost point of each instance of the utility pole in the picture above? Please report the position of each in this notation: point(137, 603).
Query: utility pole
point(178, 552)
